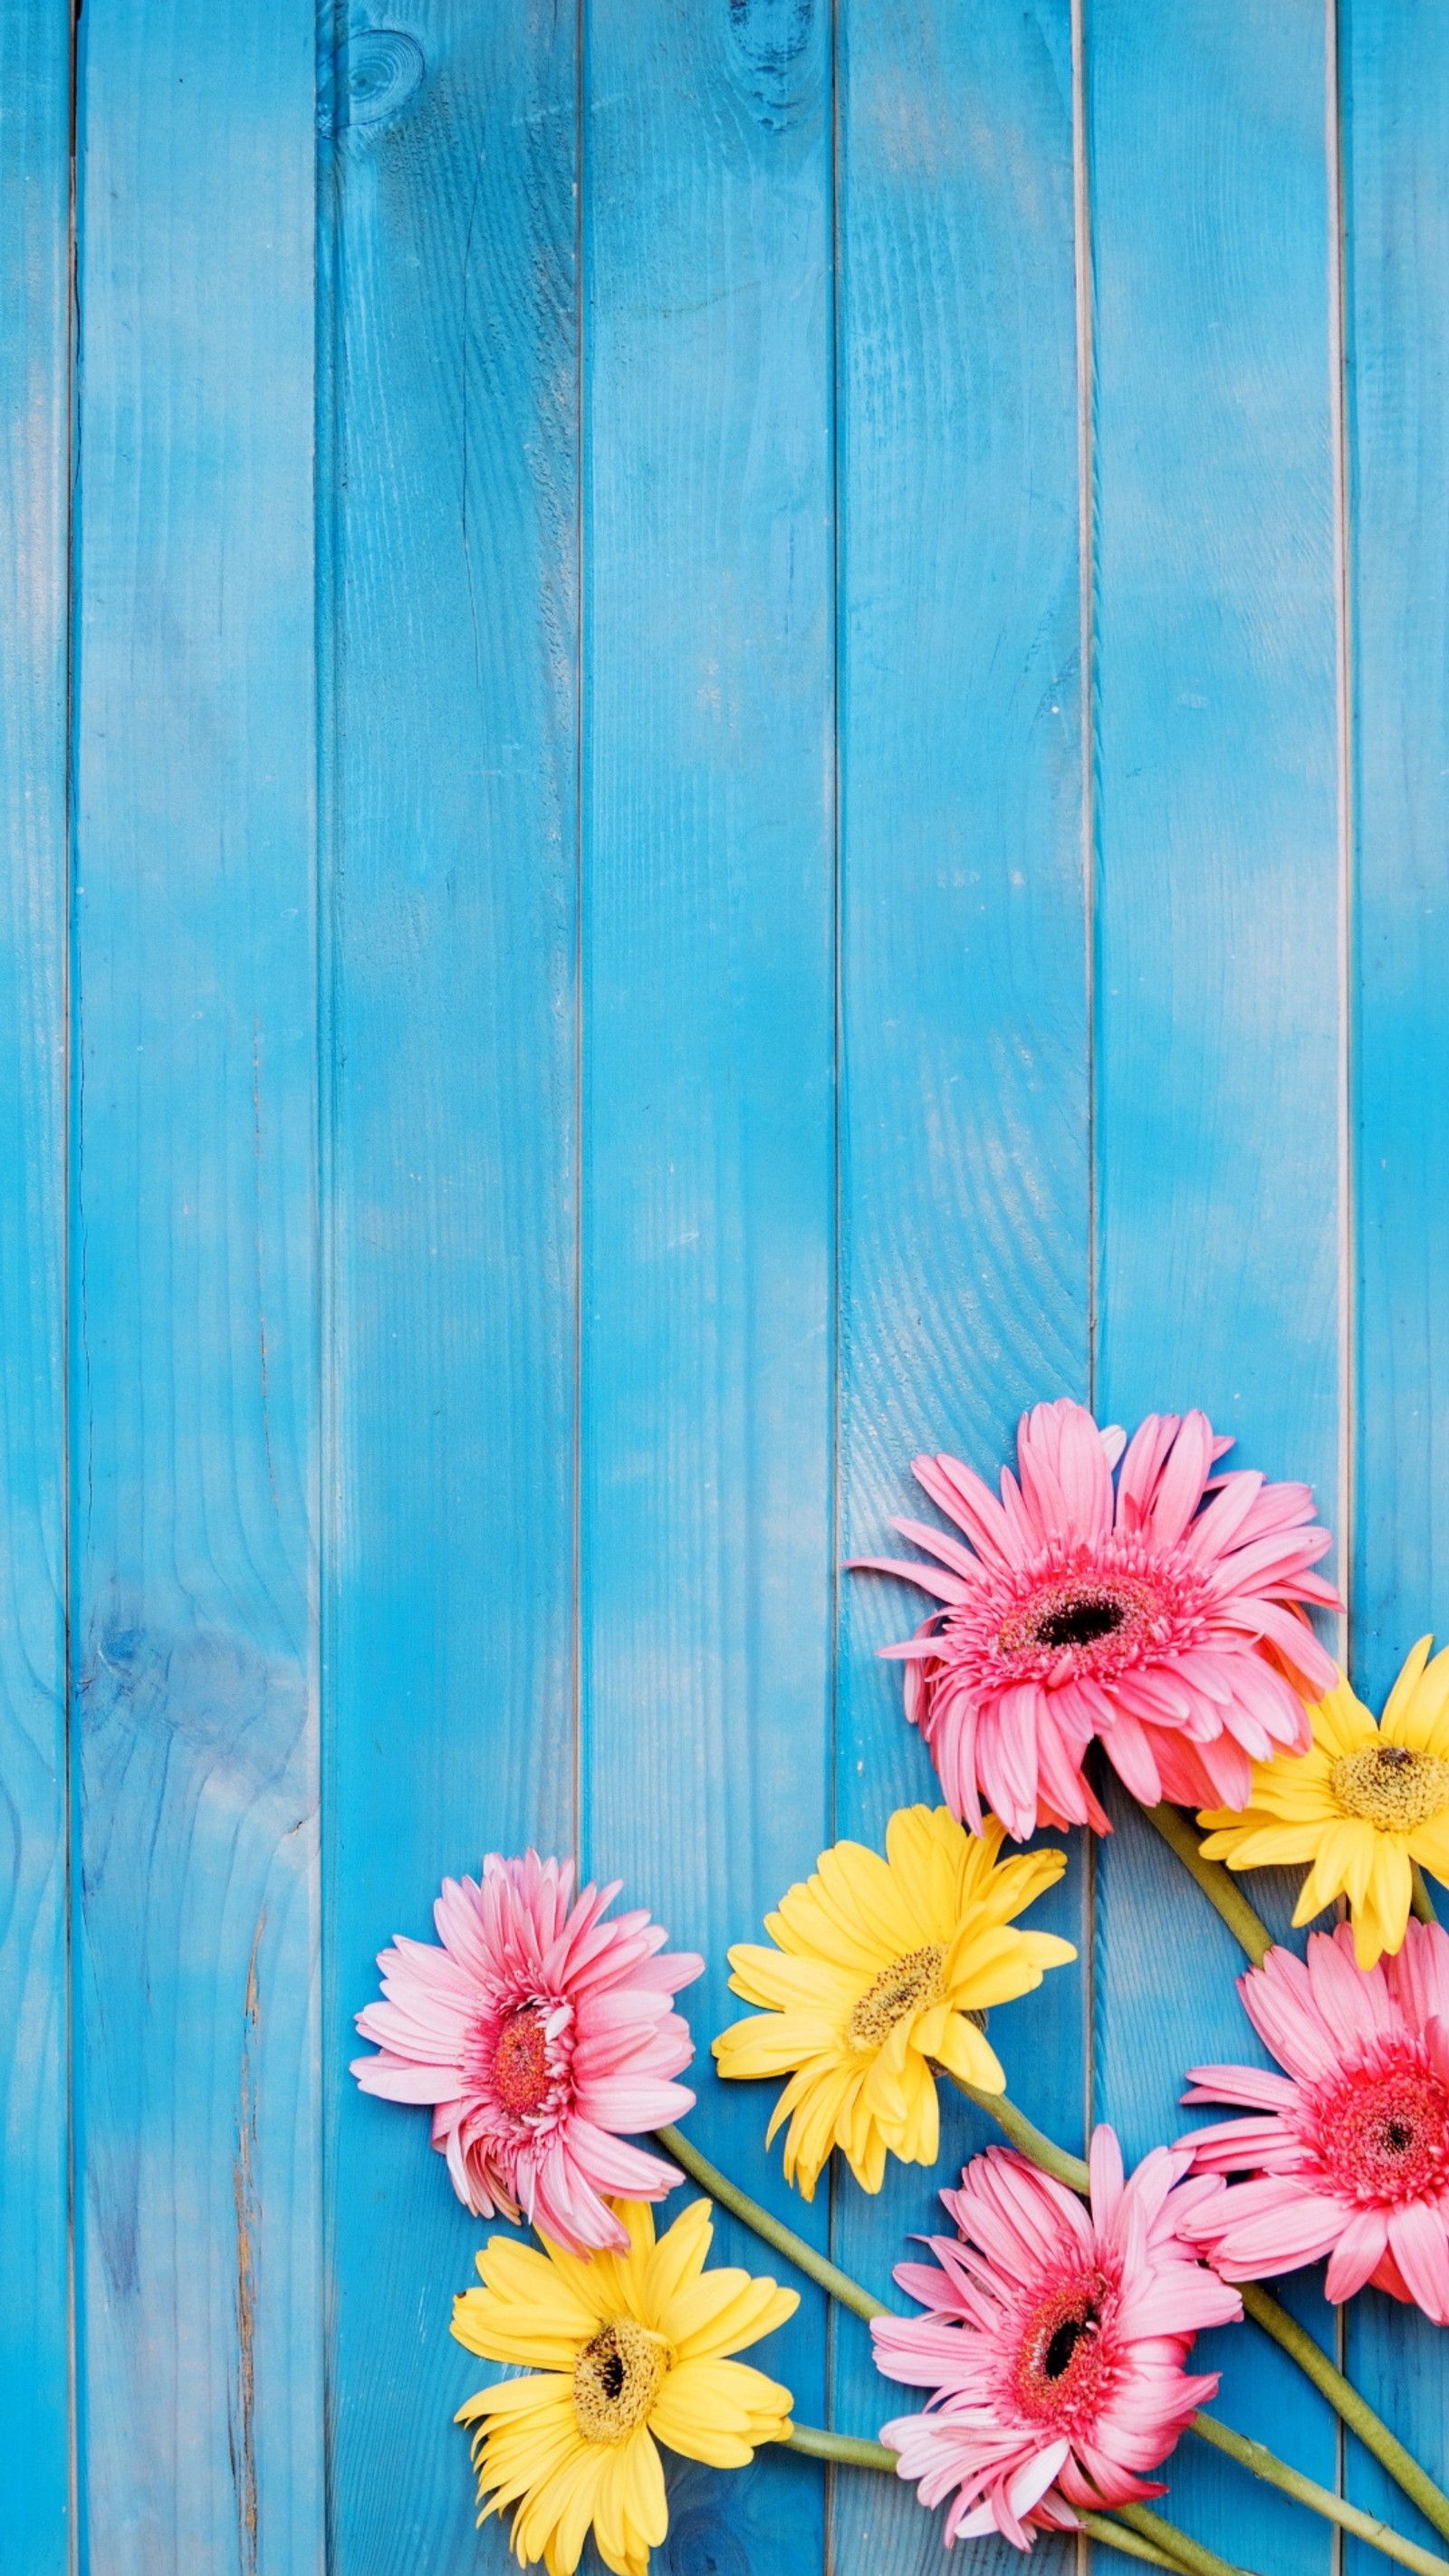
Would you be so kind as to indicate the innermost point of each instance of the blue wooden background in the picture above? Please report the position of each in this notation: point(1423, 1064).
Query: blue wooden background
point(725, 744)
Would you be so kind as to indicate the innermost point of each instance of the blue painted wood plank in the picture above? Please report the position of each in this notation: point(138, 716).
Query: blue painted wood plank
point(708, 1038)
point(964, 1163)
point(34, 510)
point(1217, 1042)
point(194, 1296)
point(1395, 103)
point(450, 747)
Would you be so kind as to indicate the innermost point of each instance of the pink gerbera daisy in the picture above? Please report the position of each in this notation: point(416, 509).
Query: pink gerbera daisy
point(1348, 2152)
point(1164, 1616)
point(1054, 2340)
point(538, 2032)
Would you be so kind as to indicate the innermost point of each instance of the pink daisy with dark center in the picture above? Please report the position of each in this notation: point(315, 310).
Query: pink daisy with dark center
point(1053, 2342)
point(1347, 2152)
point(1164, 1614)
point(538, 2032)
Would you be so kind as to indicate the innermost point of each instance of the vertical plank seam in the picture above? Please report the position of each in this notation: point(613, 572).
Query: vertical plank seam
point(323, 1162)
point(1347, 893)
point(328, 864)
point(1347, 1209)
point(836, 1266)
point(1086, 598)
point(70, 1176)
point(580, 684)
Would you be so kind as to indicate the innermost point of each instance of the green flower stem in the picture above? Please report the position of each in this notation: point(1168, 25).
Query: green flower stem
point(849, 2448)
point(855, 2453)
point(1218, 1884)
point(1260, 2304)
point(1360, 2418)
point(818, 2267)
point(1420, 1899)
point(1266, 2312)
point(1166, 2536)
point(1117, 2535)
point(1033, 2143)
point(1334, 2508)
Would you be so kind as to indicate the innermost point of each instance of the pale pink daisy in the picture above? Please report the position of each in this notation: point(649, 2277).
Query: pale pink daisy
point(538, 2032)
point(1348, 2151)
point(1163, 1615)
point(1053, 2342)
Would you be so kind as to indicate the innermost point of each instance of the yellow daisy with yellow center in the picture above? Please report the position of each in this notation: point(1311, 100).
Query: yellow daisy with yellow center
point(1364, 1804)
point(623, 2351)
point(878, 1969)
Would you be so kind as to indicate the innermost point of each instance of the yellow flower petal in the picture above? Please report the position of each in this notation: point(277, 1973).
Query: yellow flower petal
point(784, 1982)
point(1389, 1893)
point(1341, 1867)
point(1429, 1846)
point(1253, 1842)
point(1354, 1813)
point(1341, 1723)
point(718, 2411)
point(1014, 1971)
point(875, 1961)
point(965, 2051)
point(725, 2311)
point(534, 2394)
point(1409, 1688)
point(822, 2099)
point(773, 2045)
point(547, 2337)
point(921, 1861)
point(677, 2260)
point(863, 1891)
point(531, 2450)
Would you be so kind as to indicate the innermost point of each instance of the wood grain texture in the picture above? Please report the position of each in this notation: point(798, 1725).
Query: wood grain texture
point(450, 747)
point(34, 510)
point(708, 1045)
point(503, 1285)
point(1217, 1044)
point(964, 1148)
point(1395, 115)
point(194, 1297)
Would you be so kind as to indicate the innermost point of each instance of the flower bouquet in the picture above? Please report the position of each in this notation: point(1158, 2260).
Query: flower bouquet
point(1127, 1595)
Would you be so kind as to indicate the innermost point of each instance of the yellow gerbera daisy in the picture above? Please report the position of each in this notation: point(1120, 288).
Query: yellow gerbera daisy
point(1363, 1804)
point(623, 2351)
point(878, 1968)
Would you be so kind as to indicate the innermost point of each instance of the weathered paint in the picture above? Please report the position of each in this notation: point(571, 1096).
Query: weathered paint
point(34, 493)
point(626, 971)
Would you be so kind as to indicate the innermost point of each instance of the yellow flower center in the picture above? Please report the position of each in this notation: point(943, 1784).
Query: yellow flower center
point(1391, 1786)
point(616, 2380)
point(901, 1988)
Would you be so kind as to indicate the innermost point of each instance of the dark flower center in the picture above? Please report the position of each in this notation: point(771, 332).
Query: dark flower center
point(521, 2075)
point(1081, 1620)
point(1063, 2366)
point(1100, 1620)
point(1383, 2134)
point(1391, 1786)
point(1057, 2357)
point(617, 2376)
point(906, 1986)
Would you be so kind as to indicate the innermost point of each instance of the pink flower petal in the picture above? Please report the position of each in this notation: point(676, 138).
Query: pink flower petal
point(1357, 2254)
point(1171, 1608)
point(1420, 2247)
point(1093, 2309)
point(538, 2031)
